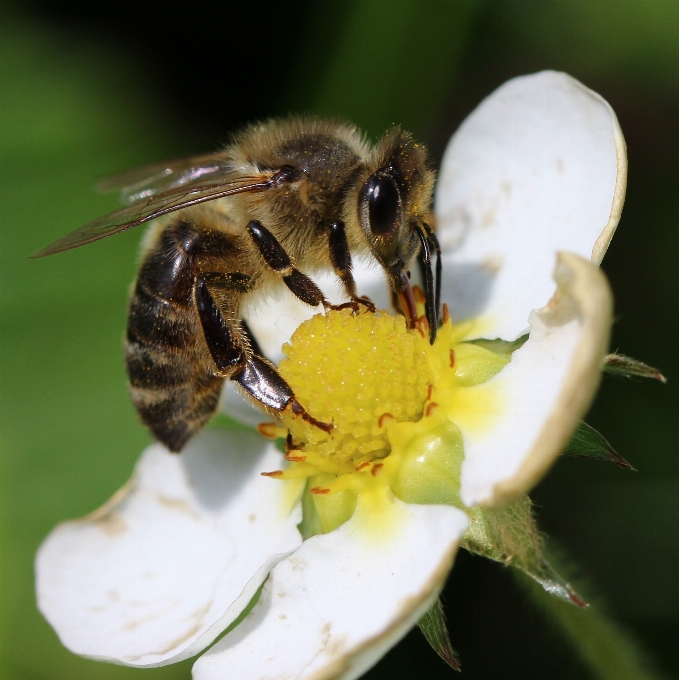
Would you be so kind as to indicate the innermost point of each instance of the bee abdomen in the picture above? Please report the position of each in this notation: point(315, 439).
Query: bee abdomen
point(174, 396)
point(174, 392)
point(157, 322)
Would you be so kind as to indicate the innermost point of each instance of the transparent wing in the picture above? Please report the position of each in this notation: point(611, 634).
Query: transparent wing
point(156, 178)
point(146, 209)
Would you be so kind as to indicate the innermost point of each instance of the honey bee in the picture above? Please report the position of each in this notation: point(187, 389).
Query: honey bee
point(285, 197)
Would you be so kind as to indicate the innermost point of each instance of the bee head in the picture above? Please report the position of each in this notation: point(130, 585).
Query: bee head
point(394, 210)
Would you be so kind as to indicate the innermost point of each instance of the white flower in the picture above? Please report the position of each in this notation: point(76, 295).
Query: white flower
point(530, 192)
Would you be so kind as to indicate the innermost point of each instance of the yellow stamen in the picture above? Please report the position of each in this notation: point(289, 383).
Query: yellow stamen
point(391, 397)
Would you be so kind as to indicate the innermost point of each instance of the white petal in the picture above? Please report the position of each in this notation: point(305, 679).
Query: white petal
point(343, 599)
point(539, 167)
point(163, 568)
point(371, 281)
point(538, 399)
point(234, 404)
point(274, 317)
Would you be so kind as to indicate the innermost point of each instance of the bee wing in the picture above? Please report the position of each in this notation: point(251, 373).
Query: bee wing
point(146, 209)
point(155, 178)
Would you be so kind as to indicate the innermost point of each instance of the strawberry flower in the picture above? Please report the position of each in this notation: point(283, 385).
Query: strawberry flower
point(529, 194)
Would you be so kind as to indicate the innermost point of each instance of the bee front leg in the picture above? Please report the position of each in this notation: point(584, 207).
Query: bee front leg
point(340, 257)
point(255, 374)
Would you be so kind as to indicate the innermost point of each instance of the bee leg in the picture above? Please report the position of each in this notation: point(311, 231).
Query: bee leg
point(262, 381)
point(340, 258)
point(275, 380)
point(255, 374)
point(300, 284)
point(222, 340)
point(275, 257)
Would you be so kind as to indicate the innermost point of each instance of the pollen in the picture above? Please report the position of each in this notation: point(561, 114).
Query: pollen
point(359, 372)
point(391, 397)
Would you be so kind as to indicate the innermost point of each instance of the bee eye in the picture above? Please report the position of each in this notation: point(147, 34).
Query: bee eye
point(383, 204)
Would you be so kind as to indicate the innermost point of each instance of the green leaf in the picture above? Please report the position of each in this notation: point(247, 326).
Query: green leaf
point(586, 442)
point(499, 346)
point(434, 629)
point(626, 367)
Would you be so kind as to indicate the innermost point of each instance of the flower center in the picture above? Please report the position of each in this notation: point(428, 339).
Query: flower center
point(360, 372)
point(391, 397)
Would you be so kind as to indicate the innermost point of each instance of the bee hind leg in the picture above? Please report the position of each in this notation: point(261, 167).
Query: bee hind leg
point(262, 381)
point(258, 377)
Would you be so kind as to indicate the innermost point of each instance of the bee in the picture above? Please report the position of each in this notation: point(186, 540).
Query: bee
point(285, 197)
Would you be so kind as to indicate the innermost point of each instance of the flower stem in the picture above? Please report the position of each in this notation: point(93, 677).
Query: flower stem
point(608, 651)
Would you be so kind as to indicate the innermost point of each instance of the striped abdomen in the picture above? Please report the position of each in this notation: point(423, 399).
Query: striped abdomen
point(172, 381)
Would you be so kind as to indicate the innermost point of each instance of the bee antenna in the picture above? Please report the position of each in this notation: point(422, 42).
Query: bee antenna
point(424, 233)
point(431, 235)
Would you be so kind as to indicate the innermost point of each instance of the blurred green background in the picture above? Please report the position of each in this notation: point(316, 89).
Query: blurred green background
point(90, 88)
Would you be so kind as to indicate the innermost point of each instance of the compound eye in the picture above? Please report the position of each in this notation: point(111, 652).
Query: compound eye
point(383, 205)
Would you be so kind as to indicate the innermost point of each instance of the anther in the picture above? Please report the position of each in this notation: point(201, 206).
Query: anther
point(446, 313)
point(452, 358)
point(383, 417)
point(419, 295)
point(319, 491)
point(270, 430)
point(431, 409)
point(275, 473)
point(376, 468)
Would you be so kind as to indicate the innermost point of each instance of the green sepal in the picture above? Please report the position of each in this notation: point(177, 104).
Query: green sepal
point(499, 346)
point(586, 442)
point(510, 536)
point(435, 631)
point(607, 650)
point(619, 364)
point(311, 521)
